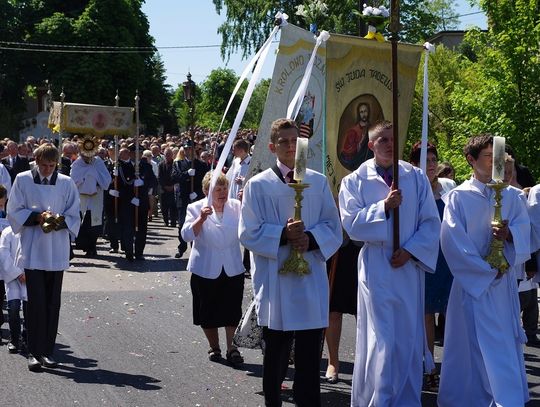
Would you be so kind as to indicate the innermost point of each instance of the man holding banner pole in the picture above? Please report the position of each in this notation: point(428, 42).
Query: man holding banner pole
point(390, 319)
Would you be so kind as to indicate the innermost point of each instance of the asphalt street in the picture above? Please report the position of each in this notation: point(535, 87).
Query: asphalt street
point(126, 338)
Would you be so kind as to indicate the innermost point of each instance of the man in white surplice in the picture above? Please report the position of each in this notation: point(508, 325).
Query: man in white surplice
point(390, 320)
point(239, 168)
point(483, 343)
point(91, 177)
point(36, 194)
point(289, 304)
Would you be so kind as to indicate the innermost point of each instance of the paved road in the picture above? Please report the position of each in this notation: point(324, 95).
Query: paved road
point(126, 339)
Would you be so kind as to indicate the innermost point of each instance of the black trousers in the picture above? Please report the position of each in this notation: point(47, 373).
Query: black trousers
point(88, 234)
point(128, 235)
point(307, 345)
point(2, 295)
point(528, 301)
point(43, 310)
point(168, 208)
point(182, 245)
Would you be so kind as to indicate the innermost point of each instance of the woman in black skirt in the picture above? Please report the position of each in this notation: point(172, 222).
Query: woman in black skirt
point(217, 280)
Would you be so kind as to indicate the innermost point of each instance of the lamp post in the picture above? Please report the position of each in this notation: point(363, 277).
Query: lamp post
point(189, 97)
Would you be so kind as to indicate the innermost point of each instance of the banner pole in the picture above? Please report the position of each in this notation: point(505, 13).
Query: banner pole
point(394, 29)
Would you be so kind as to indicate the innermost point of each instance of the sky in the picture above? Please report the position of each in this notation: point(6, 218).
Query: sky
point(172, 27)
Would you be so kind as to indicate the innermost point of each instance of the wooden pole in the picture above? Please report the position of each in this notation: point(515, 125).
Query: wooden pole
point(394, 28)
point(116, 104)
point(60, 147)
point(136, 188)
point(192, 138)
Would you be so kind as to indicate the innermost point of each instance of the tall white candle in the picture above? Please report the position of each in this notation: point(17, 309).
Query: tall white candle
point(497, 172)
point(300, 159)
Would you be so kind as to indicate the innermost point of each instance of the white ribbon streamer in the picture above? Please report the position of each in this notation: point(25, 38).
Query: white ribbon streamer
point(423, 145)
point(261, 58)
point(296, 102)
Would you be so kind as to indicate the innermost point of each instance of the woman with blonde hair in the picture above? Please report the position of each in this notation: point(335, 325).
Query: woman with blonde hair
point(215, 261)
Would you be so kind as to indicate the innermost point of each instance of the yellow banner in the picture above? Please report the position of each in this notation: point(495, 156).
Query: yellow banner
point(358, 94)
point(91, 119)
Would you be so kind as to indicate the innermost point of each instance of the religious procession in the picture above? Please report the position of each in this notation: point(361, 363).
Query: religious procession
point(345, 219)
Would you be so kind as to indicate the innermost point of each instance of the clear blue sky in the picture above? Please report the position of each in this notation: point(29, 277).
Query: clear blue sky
point(195, 23)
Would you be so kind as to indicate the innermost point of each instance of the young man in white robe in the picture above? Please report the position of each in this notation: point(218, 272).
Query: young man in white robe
point(390, 320)
point(289, 304)
point(483, 345)
point(91, 178)
point(239, 168)
point(36, 195)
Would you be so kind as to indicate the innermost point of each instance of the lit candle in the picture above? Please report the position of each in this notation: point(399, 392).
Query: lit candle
point(497, 172)
point(300, 159)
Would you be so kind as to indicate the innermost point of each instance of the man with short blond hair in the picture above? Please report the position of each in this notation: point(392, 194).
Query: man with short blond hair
point(390, 318)
point(289, 305)
point(37, 196)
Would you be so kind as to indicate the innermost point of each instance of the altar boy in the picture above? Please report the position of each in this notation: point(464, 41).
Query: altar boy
point(483, 343)
point(289, 304)
point(37, 194)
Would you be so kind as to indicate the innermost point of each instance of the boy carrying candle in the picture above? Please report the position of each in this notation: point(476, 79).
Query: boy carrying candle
point(290, 304)
point(483, 345)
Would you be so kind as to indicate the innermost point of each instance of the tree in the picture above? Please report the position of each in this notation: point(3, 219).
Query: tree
point(216, 91)
point(255, 108)
point(92, 76)
point(507, 101)
point(249, 23)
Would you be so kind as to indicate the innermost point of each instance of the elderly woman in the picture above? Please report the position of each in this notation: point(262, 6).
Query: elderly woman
point(437, 285)
point(217, 280)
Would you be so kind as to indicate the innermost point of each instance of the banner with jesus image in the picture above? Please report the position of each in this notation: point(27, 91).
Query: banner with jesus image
point(358, 94)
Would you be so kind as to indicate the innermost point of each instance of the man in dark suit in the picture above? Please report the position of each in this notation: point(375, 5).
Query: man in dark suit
point(127, 181)
point(69, 154)
point(189, 176)
point(14, 163)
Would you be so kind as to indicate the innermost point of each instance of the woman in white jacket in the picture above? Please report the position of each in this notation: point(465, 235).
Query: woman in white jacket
point(217, 280)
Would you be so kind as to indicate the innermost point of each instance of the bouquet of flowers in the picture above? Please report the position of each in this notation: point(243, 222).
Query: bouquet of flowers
point(312, 12)
point(376, 18)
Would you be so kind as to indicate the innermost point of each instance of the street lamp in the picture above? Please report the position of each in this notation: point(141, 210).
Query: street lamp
point(189, 97)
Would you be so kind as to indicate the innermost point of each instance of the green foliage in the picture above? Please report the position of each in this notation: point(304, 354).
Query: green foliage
point(255, 108)
point(86, 77)
point(503, 97)
point(248, 23)
point(448, 73)
point(216, 91)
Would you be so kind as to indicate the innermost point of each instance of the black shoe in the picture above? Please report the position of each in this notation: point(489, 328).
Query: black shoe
point(12, 348)
point(113, 251)
point(47, 361)
point(139, 257)
point(178, 255)
point(33, 364)
point(173, 225)
point(129, 256)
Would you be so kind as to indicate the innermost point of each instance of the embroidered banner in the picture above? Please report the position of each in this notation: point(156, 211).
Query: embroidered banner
point(295, 48)
point(92, 119)
point(359, 93)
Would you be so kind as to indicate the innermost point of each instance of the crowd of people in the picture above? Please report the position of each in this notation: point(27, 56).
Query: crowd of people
point(430, 279)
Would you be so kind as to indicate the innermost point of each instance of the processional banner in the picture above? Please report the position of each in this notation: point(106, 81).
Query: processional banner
point(294, 52)
point(358, 94)
point(91, 119)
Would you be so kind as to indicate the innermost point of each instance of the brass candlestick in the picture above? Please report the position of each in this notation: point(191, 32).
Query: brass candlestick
point(496, 258)
point(296, 263)
point(51, 222)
